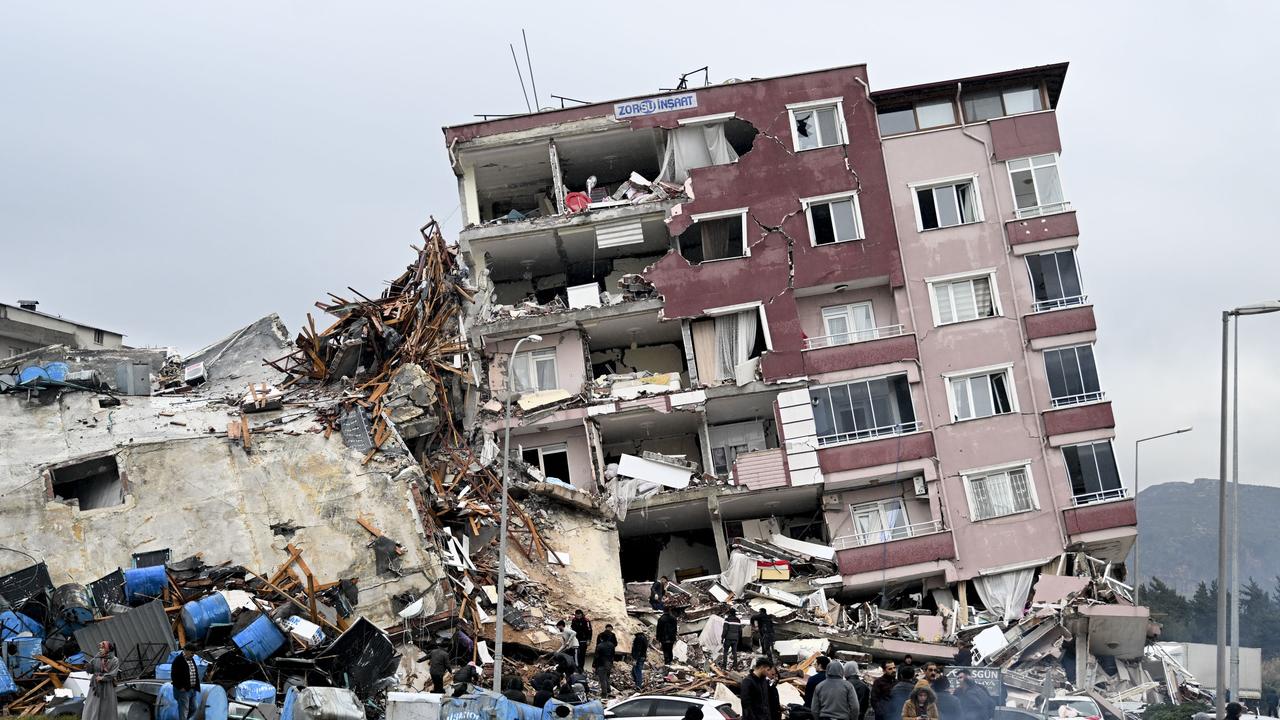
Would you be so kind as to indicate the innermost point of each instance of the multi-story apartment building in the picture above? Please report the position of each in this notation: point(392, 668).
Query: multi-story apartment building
point(861, 309)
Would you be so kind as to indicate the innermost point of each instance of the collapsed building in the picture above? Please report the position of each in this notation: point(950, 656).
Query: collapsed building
point(792, 342)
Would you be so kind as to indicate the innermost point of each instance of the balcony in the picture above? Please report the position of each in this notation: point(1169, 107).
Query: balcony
point(1095, 416)
point(1064, 321)
point(1098, 511)
point(911, 545)
point(1042, 210)
point(850, 338)
point(1081, 399)
point(1043, 226)
point(847, 351)
point(1058, 303)
point(895, 444)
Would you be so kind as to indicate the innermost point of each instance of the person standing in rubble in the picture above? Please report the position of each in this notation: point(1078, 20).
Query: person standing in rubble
point(667, 635)
point(606, 646)
point(754, 692)
point(639, 651)
point(882, 689)
point(437, 666)
point(581, 627)
point(948, 704)
point(186, 682)
point(658, 593)
point(730, 639)
point(835, 698)
point(100, 703)
point(568, 641)
point(975, 702)
point(762, 622)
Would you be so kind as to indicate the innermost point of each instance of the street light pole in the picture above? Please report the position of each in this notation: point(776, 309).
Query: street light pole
point(1137, 444)
point(1220, 705)
point(1235, 511)
point(502, 523)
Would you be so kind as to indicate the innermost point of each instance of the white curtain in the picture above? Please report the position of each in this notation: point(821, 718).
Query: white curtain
point(705, 352)
point(735, 339)
point(695, 146)
point(1005, 594)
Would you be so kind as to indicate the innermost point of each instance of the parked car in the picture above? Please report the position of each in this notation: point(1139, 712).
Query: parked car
point(1072, 707)
point(669, 707)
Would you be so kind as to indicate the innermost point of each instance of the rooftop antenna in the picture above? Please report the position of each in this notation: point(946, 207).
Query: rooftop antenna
point(683, 84)
point(529, 62)
point(519, 75)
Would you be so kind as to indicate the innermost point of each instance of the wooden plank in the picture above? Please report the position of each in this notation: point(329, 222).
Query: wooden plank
point(279, 574)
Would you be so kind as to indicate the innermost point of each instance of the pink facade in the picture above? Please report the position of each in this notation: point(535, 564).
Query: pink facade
point(571, 372)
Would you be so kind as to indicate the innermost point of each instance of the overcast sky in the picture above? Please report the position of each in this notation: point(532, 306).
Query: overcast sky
point(177, 170)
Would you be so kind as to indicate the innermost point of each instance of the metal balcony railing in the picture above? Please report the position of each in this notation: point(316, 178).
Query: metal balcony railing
point(883, 431)
point(1038, 210)
point(877, 537)
point(853, 336)
point(1069, 400)
point(1042, 305)
point(1103, 496)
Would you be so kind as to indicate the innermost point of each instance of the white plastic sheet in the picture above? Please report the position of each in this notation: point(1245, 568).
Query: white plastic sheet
point(742, 570)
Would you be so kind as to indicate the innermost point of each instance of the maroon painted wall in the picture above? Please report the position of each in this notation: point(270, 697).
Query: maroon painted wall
point(876, 452)
point(907, 551)
point(1078, 419)
point(1060, 322)
point(1042, 228)
point(1100, 516)
point(1024, 135)
point(859, 355)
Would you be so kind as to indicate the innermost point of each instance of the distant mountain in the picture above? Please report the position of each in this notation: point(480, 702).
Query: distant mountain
point(1178, 533)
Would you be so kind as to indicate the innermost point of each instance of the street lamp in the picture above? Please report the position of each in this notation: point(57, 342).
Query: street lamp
point(502, 524)
point(1137, 577)
point(1262, 308)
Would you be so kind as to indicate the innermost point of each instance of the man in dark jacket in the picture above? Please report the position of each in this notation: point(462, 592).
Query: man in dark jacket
point(881, 689)
point(185, 677)
point(469, 675)
point(822, 662)
point(730, 639)
point(901, 691)
point(948, 704)
point(835, 698)
point(975, 702)
point(754, 692)
point(639, 651)
point(658, 593)
point(853, 674)
point(437, 666)
point(513, 688)
point(581, 627)
point(608, 635)
point(603, 662)
point(667, 635)
point(762, 622)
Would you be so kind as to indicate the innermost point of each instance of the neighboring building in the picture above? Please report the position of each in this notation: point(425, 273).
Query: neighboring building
point(24, 328)
point(866, 317)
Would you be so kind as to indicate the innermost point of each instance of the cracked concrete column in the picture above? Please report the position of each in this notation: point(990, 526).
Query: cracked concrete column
point(717, 530)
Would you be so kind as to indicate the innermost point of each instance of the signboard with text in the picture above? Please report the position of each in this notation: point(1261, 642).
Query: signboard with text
point(654, 105)
point(989, 678)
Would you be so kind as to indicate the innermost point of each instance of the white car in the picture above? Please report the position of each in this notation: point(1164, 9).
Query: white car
point(1072, 707)
point(669, 707)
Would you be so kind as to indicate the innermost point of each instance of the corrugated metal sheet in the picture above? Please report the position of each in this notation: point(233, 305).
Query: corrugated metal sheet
point(142, 636)
point(615, 234)
point(761, 469)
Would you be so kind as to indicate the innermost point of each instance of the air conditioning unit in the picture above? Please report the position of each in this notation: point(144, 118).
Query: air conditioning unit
point(922, 488)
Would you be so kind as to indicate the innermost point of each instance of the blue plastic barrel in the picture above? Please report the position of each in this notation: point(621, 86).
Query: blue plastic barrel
point(212, 698)
point(144, 583)
point(255, 691)
point(199, 615)
point(7, 685)
point(57, 371)
point(22, 661)
point(13, 624)
point(290, 699)
point(32, 374)
point(259, 640)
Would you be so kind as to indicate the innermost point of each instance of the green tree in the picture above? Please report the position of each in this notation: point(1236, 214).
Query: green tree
point(1203, 621)
point(1168, 608)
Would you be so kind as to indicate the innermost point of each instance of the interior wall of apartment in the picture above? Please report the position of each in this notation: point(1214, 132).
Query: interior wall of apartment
point(686, 445)
point(664, 358)
point(512, 292)
point(648, 557)
point(581, 474)
point(883, 307)
point(571, 372)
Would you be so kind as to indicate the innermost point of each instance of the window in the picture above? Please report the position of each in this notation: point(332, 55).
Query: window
point(861, 410)
point(1055, 279)
point(671, 707)
point(878, 522)
point(982, 395)
point(986, 104)
point(1000, 493)
point(1093, 473)
point(98, 337)
point(846, 324)
point(536, 370)
point(723, 344)
point(817, 125)
point(964, 299)
point(89, 484)
point(1073, 376)
point(552, 460)
point(834, 220)
point(1037, 189)
point(920, 116)
point(715, 238)
point(947, 205)
point(633, 708)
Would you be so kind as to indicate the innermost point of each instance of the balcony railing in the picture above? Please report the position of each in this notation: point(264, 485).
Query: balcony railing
point(1102, 496)
point(883, 431)
point(1042, 305)
point(876, 537)
point(853, 336)
point(1038, 210)
point(1069, 400)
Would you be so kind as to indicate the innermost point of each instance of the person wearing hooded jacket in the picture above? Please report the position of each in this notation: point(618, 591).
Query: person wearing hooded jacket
point(922, 705)
point(835, 697)
point(853, 674)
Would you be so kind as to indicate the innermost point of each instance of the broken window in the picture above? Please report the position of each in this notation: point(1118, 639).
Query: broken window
point(535, 370)
point(551, 460)
point(1093, 473)
point(1073, 375)
point(834, 220)
point(863, 409)
point(964, 299)
point(730, 441)
point(982, 395)
point(715, 238)
point(723, 345)
point(92, 484)
point(817, 126)
point(704, 144)
point(987, 104)
point(1000, 493)
point(1055, 279)
point(947, 205)
point(1037, 189)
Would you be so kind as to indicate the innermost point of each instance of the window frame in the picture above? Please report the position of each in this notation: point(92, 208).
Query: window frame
point(841, 128)
point(1099, 395)
point(99, 337)
point(717, 215)
point(1037, 87)
point(1120, 492)
point(543, 451)
point(914, 426)
point(530, 359)
point(879, 506)
point(997, 308)
point(1066, 300)
point(957, 115)
point(1039, 210)
point(968, 476)
point(972, 179)
point(954, 379)
point(852, 196)
point(847, 308)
